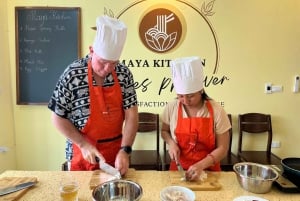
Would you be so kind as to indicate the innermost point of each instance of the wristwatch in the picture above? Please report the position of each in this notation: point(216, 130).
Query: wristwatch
point(127, 149)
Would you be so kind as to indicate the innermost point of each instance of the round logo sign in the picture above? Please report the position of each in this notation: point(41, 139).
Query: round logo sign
point(161, 29)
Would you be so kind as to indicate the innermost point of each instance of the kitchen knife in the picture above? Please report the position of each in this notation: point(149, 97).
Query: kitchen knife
point(109, 169)
point(4, 191)
point(181, 170)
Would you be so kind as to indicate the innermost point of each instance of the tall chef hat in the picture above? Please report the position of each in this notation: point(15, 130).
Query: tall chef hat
point(110, 38)
point(187, 74)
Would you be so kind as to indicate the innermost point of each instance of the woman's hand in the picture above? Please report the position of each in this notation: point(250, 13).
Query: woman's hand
point(174, 151)
point(194, 172)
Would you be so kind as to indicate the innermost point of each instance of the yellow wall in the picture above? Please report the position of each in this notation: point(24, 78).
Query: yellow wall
point(259, 43)
point(7, 134)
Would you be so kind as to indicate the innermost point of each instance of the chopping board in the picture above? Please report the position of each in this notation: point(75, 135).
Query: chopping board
point(209, 184)
point(98, 177)
point(12, 181)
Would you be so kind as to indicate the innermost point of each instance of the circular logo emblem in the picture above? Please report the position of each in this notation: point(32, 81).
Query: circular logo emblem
point(160, 30)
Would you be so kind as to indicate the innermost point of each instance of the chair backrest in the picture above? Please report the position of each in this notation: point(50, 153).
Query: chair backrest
point(230, 135)
point(255, 123)
point(149, 122)
point(66, 166)
point(166, 157)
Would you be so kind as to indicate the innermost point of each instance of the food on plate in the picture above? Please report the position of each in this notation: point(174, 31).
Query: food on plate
point(175, 195)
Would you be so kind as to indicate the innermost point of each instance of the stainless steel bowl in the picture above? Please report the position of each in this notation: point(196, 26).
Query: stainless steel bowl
point(254, 177)
point(118, 190)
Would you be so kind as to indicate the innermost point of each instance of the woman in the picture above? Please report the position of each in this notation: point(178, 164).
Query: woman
point(194, 126)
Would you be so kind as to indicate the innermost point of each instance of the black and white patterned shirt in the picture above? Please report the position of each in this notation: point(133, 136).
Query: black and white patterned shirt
point(71, 98)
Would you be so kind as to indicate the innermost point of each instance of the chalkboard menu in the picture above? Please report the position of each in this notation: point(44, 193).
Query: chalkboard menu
point(47, 40)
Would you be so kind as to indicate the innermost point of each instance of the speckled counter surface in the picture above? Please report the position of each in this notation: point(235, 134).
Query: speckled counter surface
point(151, 181)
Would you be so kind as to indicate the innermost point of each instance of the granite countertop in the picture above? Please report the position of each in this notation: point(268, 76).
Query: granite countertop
point(152, 183)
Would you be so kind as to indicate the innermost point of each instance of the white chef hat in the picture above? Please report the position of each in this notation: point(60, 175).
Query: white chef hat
point(187, 74)
point(110, 38)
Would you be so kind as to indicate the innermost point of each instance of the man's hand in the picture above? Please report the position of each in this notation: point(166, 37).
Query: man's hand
point(90, 152)
point(122, 162)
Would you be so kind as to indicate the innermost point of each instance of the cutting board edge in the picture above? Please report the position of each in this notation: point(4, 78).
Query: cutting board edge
point(210, 184)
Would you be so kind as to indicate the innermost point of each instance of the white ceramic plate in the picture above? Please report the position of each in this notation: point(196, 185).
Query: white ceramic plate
point(249, 198)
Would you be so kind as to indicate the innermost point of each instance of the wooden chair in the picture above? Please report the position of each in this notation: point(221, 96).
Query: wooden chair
point(228, 162)
point(64, 166)
point(256, 123)
point(166, 160)
point(147, 159)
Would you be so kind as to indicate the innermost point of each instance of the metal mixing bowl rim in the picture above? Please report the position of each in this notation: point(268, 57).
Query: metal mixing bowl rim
point(255, 164)
point(119, 180)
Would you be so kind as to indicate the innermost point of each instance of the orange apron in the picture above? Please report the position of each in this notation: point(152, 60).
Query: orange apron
point(196, 138)
point(104, 126)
